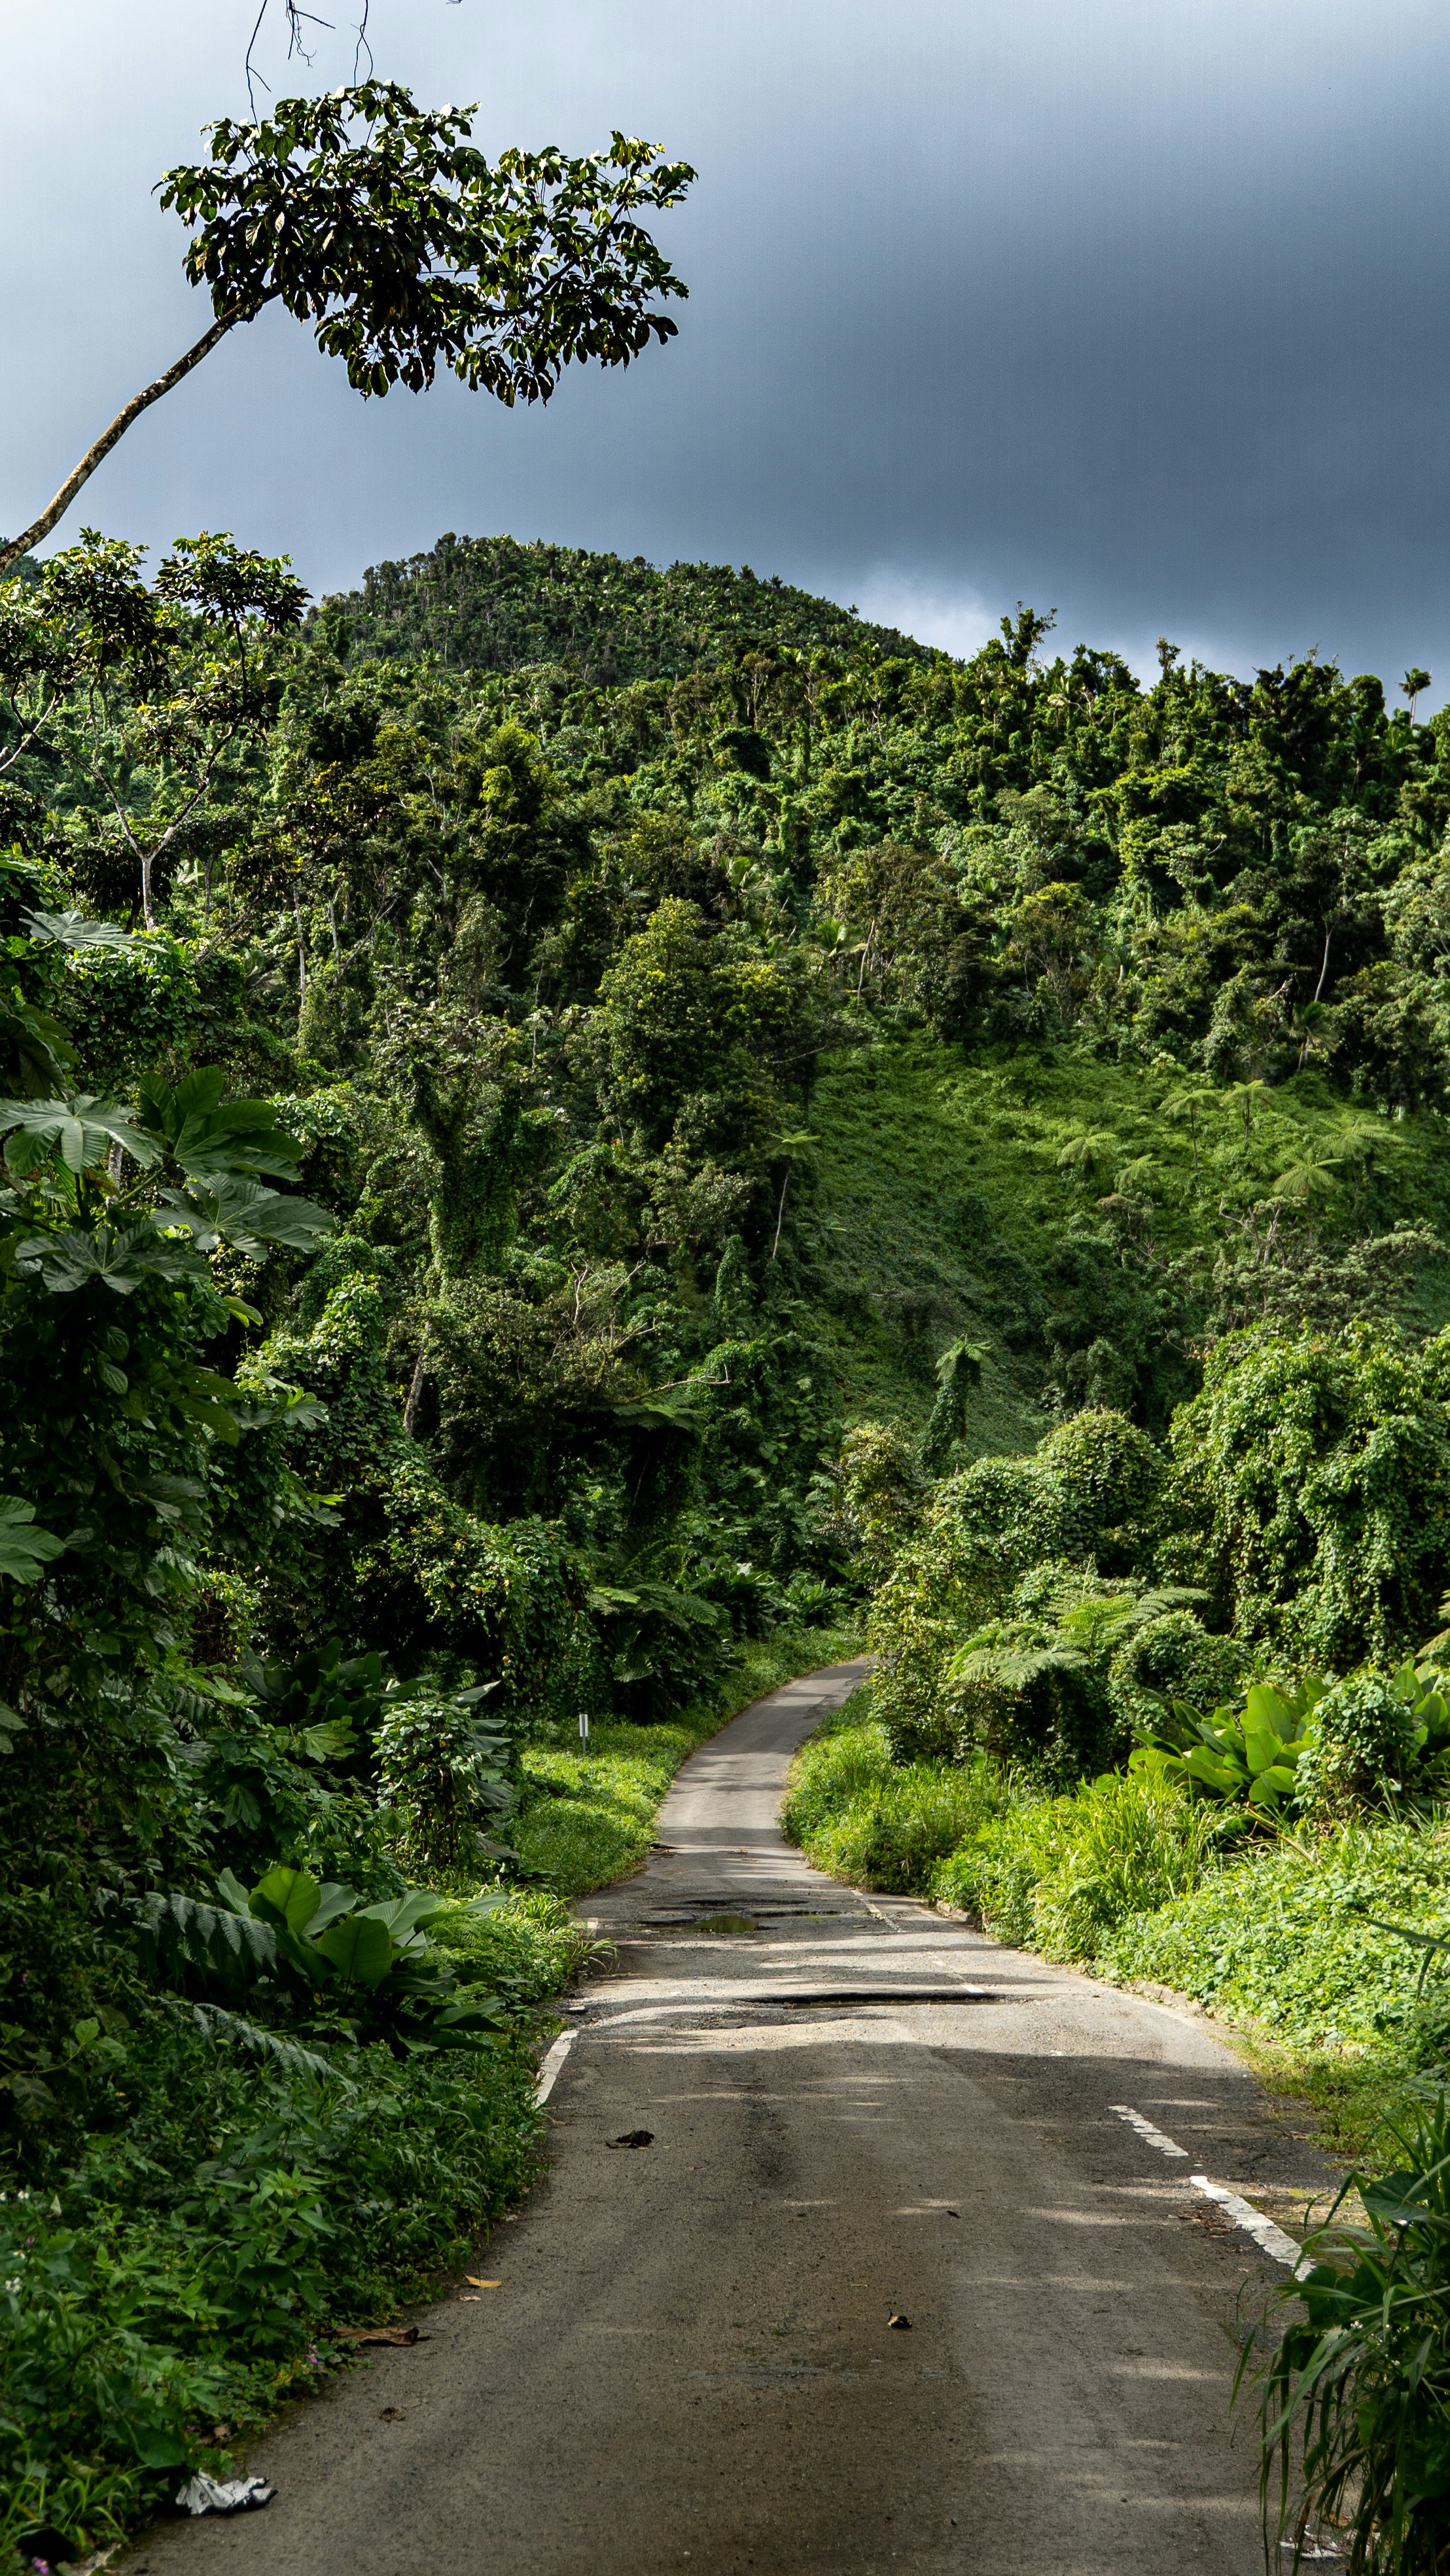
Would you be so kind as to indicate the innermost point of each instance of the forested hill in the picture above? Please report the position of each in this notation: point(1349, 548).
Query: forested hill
point(521, 1181)
point(555, 1150)
point(491, 604)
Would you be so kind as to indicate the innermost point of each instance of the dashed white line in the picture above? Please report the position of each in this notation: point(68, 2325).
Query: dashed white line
point(1271, 2240)
point(1145, 2129)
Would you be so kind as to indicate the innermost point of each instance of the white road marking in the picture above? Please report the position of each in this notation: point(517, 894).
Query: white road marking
point(1145, 2129)
point(1271, 2240)
point(549, 2073)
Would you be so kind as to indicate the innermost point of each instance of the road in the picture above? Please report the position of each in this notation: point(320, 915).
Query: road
point(857, 2111)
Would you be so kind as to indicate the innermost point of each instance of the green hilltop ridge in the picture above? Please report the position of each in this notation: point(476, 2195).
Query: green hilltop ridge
point(579, 1137)
point(493, 604)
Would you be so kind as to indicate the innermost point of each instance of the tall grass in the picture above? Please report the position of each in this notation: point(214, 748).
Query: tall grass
point(1061, 1875)
point(860, 1815)
point(1356, 2393)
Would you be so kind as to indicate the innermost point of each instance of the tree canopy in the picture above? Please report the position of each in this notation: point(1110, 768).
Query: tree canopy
point(405, 249)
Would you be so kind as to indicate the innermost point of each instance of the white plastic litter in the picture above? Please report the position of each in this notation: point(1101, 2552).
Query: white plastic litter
point(224, 2495)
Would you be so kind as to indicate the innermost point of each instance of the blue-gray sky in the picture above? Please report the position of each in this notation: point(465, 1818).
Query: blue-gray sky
point(1133, 310)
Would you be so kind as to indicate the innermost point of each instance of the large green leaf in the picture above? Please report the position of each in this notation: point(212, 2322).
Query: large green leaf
point(82, 1128)
point(75, 930)
point(333, 1902)
point(1214, 1770)
point(361, 1949)
point(211, 1138)
point(1267, 1712)
point(267, 2043)
point(244, 1214)
point(287, 1897)
point(404, 1915)
point(24, 1549)
point(119, 1257)
point(1262, 1748)
point(225, 1940)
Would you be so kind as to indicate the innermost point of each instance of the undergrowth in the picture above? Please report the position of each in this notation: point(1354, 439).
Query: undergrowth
point(194, 2262)
point(863, 1817)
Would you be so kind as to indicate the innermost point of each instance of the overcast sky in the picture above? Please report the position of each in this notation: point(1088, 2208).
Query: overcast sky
point(1135, 309)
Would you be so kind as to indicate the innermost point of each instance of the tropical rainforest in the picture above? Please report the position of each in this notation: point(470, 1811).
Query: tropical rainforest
point(577, 1138)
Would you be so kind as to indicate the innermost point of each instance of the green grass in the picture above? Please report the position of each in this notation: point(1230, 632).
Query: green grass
point(1060, 1875)
point(527, 1951)
point(858, 1815)
point(589, 1817)
point(1137, 1884)
point(1281, 1947)
point(936, 1202)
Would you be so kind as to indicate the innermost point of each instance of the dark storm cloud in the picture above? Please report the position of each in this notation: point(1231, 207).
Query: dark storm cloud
point(1133, 310)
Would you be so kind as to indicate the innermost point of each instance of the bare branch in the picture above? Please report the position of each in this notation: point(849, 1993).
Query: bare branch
point(30, 729)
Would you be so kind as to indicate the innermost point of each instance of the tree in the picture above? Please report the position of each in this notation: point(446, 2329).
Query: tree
point(1186, 1103)
point(1310, 1490)
point(154, 696)
point(378, 223)
point(1412, 686)
point(958, 1371)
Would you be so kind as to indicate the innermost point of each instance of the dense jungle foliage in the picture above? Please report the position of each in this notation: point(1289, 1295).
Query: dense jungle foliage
point(566, 1127)
point(491, 604)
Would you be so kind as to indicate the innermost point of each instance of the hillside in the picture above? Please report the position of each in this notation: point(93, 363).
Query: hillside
point(941, 1207)
point(573, 1136)
point(491, 604)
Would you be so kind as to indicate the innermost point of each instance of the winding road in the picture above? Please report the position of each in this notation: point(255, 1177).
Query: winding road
point(931, 2261)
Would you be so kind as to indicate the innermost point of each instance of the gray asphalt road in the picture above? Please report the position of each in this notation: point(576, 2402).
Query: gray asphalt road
point(857, 2111)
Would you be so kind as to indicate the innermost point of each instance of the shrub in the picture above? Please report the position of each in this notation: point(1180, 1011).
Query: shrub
point(178, 2277)
point(1285, 1938)
point(1083, 1501)
point(1173, 1657)
point(874, 1493)
point(1106, 1473)
point(1032, 1688)
point(1364, 1743)
point(1312, 1490)
point(861, 1815)
point(443, 1777)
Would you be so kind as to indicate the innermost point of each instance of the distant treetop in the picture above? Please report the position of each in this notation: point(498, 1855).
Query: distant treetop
point(492, 604)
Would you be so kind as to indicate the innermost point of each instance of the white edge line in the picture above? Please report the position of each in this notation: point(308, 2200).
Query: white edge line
point(1271, 2240)
point(552, 2067)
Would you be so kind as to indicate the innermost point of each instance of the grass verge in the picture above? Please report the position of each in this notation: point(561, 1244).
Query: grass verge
point(588, 1818)
point(1280, 1941)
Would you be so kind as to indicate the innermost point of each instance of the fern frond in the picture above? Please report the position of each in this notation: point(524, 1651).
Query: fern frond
point(1014, 1668)
point(177, 1929)
point(290, 2053)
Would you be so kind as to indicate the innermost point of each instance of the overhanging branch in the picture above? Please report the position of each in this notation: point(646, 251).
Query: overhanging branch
point(12, 548)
